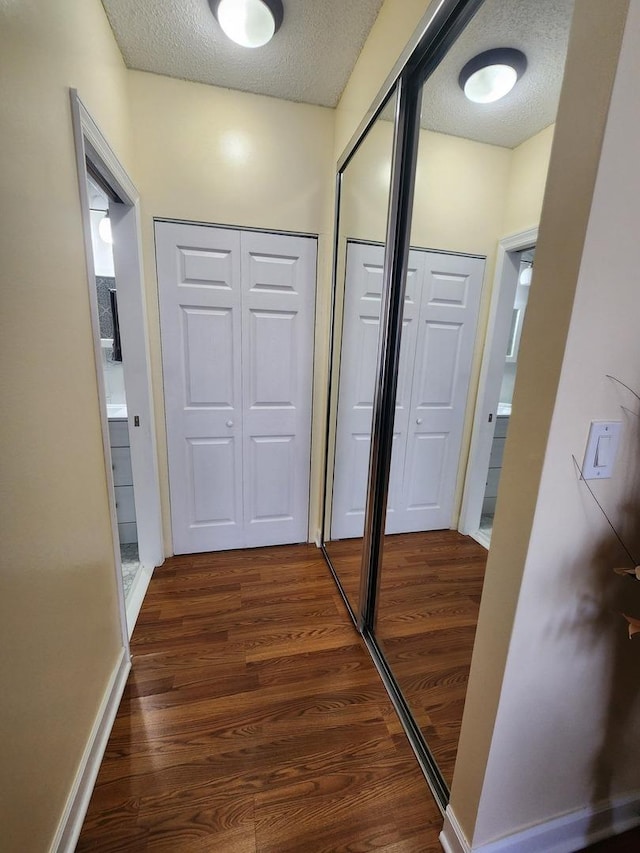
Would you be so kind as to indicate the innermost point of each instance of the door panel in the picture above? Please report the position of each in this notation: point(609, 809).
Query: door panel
point(361, 326)
point(277, 338)
point(273, 368)
point(415, 274)
point(207, 340)
point(272, 462)
point(200, 322)
point(441, 349)
point(212, 461)
point(236, 312)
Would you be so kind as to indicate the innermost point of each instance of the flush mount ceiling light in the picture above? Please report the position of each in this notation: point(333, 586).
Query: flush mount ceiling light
point(491, 75)
point(250, 23)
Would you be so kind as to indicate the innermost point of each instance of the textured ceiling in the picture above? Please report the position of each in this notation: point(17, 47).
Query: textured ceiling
point(539, 28)
point(309, 59)
point(313, 53)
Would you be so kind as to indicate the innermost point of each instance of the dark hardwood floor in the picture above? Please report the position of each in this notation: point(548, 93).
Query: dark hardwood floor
point(430, 588)
point(254, 720)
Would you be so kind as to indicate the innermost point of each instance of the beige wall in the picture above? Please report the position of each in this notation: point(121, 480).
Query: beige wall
point(461, 191)
point(58, 611)
point(527, 180)
point(394, 26)
point(549, 565)
point(231, 158)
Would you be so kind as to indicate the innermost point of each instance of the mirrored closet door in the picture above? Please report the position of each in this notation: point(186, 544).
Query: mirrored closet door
point(430, 577)
point(429, 189)
point(364, 188)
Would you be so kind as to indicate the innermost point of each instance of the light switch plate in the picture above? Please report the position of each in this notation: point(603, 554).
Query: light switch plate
point(602, 446)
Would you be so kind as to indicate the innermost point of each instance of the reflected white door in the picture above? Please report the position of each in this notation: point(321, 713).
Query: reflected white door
point(361, 325)
point(446, 330)
point(439, 325)
point(236, 316)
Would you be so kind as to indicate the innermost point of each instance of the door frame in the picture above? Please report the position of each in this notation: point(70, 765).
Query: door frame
point(503, 294)
point(91, 144)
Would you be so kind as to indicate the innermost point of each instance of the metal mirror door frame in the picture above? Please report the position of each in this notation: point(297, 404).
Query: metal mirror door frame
point(422, 55)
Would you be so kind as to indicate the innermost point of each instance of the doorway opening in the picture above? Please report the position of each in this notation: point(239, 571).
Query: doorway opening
point(110, 211)
point(503, 409)
point(113, 373)
point(512, 284)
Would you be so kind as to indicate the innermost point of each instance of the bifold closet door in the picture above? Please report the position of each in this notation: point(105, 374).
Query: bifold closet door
point(439, 322)
point(278, 298)
point(236, 317)
point(446, 323)
point(358, 366)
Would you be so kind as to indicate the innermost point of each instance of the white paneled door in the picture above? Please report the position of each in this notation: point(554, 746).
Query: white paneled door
point(237, 324)
point(439, 326)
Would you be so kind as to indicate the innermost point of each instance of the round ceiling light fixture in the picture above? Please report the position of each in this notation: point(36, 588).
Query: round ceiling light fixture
point(491, 75)
point(250, 23)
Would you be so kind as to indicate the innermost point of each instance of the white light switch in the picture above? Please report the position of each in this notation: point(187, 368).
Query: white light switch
point(601, 450)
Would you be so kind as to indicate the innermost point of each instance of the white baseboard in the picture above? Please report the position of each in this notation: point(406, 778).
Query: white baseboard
point(481, 538)
point(452, 838)
point(136, 595)
point(68, 832)
point(564, 834)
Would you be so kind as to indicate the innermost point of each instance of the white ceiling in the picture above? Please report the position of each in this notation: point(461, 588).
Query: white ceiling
point(309, 59)
point(312, 55)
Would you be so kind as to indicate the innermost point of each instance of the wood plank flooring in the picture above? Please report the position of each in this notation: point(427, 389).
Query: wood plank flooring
point(430, 588)
point(254, 722)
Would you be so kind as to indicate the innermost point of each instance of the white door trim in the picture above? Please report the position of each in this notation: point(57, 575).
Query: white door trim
point(90, 142)
point(502, 297)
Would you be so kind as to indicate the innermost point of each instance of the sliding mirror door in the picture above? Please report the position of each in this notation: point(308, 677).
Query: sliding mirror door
point(468, 177)
point(430, 577)
point(359, 262)
point(469, 188)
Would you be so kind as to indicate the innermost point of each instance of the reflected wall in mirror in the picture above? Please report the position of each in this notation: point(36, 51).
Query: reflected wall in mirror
point(360, 251)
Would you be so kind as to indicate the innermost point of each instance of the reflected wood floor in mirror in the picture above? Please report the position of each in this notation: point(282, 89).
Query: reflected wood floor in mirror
point(427, 615)
point(254, 720)
point(346, 558)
